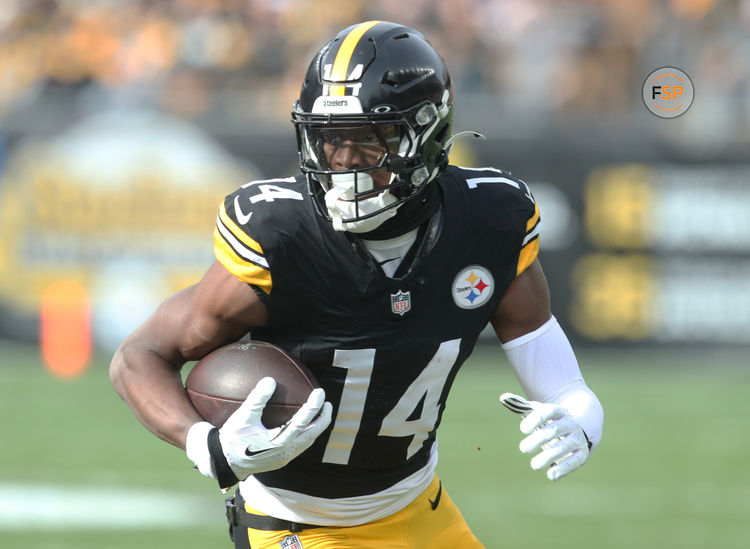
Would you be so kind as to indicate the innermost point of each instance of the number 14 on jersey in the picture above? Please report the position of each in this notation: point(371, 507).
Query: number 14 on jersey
point(428, 386)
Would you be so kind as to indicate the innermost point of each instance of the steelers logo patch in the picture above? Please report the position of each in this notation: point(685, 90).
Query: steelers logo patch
point(472, 287)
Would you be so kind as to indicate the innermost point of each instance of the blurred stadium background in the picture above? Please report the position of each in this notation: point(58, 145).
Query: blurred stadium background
point(123, 124)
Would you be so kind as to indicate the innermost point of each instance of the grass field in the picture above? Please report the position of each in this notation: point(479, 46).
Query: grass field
point(78, 471)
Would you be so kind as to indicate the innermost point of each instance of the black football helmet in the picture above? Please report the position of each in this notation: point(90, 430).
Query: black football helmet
point(379, 87)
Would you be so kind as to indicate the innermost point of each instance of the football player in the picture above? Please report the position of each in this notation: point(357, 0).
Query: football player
point(378, 267)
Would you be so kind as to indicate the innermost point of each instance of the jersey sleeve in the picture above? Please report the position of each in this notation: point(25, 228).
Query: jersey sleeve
point(236, 250)
point(492, 191)
point(530, 243)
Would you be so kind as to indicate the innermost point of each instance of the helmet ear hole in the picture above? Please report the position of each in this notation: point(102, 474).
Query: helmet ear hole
point(441, 161)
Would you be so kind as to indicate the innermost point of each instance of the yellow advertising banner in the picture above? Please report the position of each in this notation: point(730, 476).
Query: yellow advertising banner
point(123, 204)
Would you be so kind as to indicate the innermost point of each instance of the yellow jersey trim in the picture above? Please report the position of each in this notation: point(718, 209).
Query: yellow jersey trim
point(244, 270)
point(238, 233)
point(534, 218)
point(527, 256)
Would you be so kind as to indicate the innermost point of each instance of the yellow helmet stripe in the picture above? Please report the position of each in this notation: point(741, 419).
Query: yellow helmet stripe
point(343, 57)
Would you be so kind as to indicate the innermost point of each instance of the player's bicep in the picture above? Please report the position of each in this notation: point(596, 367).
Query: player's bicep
point(223, 309)
point(525, 305)
point(195, 321)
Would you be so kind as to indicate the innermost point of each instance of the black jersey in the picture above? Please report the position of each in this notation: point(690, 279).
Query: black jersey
point(386, 350)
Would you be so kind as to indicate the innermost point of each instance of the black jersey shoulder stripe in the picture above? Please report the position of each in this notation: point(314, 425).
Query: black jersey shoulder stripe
point(529, 253)
point(533, 220)
point(533, 226)
point(532, 235)
point(530, 243)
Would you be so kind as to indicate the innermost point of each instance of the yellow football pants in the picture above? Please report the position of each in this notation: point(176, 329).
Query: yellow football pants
point(417, 526)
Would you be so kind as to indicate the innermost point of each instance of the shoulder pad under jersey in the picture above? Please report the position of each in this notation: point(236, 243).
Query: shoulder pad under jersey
point(246, 222)
point(502, 196)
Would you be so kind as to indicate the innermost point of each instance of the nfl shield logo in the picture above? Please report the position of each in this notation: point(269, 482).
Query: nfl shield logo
point(291, 542)
point(401, 302)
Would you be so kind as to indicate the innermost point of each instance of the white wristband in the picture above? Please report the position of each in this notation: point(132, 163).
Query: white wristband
point(196, 447)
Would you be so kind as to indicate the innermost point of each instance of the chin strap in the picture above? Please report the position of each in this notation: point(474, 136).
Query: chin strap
point(411, 214)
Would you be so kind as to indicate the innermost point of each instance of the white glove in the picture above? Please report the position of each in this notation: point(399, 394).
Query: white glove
point(243, 446)
point(552, 431)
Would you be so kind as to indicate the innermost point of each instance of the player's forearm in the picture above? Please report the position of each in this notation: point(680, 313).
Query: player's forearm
point(153, 389)
point(548, 371)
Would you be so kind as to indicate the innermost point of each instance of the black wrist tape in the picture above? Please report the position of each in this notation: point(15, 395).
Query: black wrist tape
point(224, 474)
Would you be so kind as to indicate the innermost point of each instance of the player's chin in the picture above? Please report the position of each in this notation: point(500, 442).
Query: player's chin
point(380, 178)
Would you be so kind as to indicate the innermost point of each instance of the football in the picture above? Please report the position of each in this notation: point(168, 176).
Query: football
point(221, 380)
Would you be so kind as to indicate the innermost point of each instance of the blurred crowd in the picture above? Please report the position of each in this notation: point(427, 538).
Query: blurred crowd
point(204, 58)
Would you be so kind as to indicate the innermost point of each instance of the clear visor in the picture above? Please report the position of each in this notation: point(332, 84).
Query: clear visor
point(329, 149)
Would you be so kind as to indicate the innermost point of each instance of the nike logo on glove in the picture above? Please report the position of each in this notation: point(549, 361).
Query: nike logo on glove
point(251, 453)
